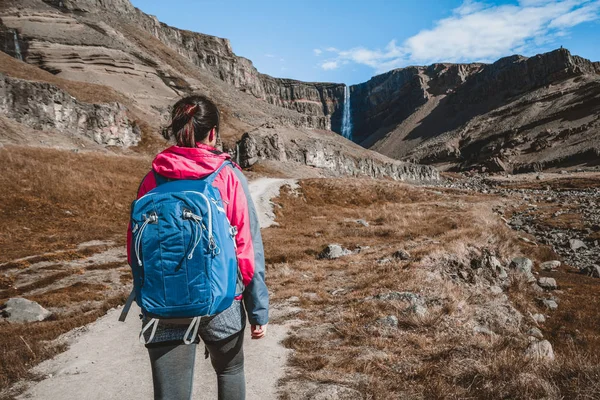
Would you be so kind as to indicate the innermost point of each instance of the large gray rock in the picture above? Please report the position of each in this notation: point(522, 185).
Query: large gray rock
point(18, 309)
point(334, 251)
point(540, 351)
point(524, 266)
point(417, 306)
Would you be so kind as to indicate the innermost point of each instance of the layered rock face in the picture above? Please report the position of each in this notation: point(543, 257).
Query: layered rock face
point(387, 99)
point(516, 114)
point(325, 152)
point(42, 106)
point(321, 102)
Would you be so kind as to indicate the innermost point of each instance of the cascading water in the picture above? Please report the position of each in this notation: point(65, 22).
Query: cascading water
point(347, 117)
point(18, 54)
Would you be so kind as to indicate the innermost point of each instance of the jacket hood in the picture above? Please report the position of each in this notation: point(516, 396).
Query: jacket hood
point(189, 162)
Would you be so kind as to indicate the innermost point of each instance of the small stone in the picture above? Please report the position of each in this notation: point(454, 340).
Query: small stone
point(495, 289)
point(18, 309)
point(334, 251)
point(550, 265)
point(550, 304)
point(401, 255)
point(390, 321)
point(536, 333)
point(576, 244)
point(537, 287)
point(548, 283)
point(384, 261)
point(539, 318)
point(540, 351)
point(362, 222)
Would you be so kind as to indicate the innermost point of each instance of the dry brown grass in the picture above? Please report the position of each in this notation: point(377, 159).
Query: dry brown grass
point(437, 356)
point(53, 200)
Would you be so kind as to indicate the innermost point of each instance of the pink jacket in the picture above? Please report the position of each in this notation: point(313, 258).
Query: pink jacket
point(197, 163)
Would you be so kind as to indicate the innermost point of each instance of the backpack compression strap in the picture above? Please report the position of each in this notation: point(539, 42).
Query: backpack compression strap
point(127, 306)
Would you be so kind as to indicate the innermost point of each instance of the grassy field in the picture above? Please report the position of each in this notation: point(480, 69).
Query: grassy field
point(444, 354)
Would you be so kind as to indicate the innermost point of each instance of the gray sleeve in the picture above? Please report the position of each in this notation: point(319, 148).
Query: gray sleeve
point(256, 295)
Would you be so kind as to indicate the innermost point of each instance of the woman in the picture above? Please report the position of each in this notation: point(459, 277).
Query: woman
point(195, 128)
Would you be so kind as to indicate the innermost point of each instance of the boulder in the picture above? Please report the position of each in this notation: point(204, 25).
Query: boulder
point(547, 283)
point(18, 309)
point(524, 266)
point(334, 251)
point(540, 351)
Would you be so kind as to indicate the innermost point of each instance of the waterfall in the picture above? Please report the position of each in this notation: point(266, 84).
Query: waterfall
point(347, 117)
point(237, 153)
point(18, 54)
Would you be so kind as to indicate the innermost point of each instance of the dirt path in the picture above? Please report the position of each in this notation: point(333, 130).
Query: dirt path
point(263, 190)
point(106, 361)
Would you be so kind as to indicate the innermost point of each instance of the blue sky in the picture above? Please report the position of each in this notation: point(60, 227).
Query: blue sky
point(349, 41)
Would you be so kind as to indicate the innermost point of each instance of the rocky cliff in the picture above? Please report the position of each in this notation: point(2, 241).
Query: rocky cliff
point(507, 115)
point(45, 107)
point(324, 151)
point(322, 102)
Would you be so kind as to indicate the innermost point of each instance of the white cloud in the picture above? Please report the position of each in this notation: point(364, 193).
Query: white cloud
point(329, 65)
point(270, 55)
point(586, 13)
point(318, 52)
point(477, 31)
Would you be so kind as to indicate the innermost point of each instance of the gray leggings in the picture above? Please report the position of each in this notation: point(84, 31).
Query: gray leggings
point(173, 368)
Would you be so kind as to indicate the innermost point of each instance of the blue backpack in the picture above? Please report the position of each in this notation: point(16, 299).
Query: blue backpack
point(183, 255)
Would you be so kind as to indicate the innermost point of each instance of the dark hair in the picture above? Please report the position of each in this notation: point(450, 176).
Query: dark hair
point(192, 119)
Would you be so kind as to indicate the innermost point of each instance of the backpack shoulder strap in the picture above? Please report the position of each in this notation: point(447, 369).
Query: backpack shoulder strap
point(211, 178)
point(160, 179)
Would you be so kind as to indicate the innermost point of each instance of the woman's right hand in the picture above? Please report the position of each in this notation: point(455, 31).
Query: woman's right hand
point(258, 331)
